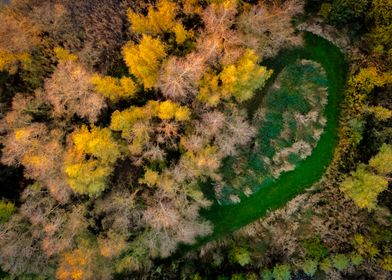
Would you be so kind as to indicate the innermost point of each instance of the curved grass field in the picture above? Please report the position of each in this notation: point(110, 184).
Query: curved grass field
point(276, 194)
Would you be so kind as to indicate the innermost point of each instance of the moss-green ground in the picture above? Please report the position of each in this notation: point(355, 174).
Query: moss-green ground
point(275, 194)
point(282, 141)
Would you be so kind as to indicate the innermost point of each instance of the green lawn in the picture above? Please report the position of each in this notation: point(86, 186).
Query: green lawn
point(275, 194)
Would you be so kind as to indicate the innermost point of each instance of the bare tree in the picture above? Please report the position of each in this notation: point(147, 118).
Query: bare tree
point(179, 77)
point(20, 253)
point(18, 33)
point(237, 132)
point(173, 219)
point(70, 92)
point(271, 25)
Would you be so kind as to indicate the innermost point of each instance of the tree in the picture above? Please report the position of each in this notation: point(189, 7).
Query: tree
point(386, 263)
point(18, 33)
point(240, 255)
point(236, 132)
point(7, 208)
point(70, 92)
point(181, 33)
point(150, 178)
point(84, 262)
point(219, 41)
point(210, 92)
point(365, 247)
point(202, 163)
point(345, 11)
point(219, 17)
point(149, 127)
point(243, 78)
point(369, 78)
point(379, 112)
point(58, 227)
point(381, 32)
point(282, 272)
point(96, 29)
point(364, 185)
point(238, 80)
point(159, 20)
point(356, 259)
point(114, 89)
point(340, 262)
point(266, 27)
point(192, 7)
point(41, 153)
point(90, 160)
point(173, 219)
point(9, 61)
point(112, 245)
point(144, 59)
point(18, 36)
point(382, 162)
point(179, 77)
point(120, 212)
point(166, 110)
point(309, 267)
point(63, 54)
point(20, 252)
point(170, 110)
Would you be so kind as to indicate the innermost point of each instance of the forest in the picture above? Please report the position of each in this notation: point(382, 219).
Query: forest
point(196, 139)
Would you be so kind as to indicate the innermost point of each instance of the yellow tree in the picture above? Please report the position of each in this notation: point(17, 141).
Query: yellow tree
point(192, 7)
point(63, 54)
point(363, 187)
point(209, 91)
point(239, 80)
point(150, 178)
point(382, 162)
point(91, 159)
point(9, 61)
point(113, 88)
point(167, 110)
point(159, 20)
point(365, 184)
point(379, 112)
point(144, 59)
point(170, 110)
point(243, 78)
point(141, 131)
point(369, 78)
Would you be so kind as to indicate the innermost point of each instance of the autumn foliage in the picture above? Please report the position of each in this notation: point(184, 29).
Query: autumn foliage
point(135, 105)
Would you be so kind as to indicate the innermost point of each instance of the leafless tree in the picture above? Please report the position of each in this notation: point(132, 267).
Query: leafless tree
point(179, 76)
point(70, 92)
point(271, 25)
